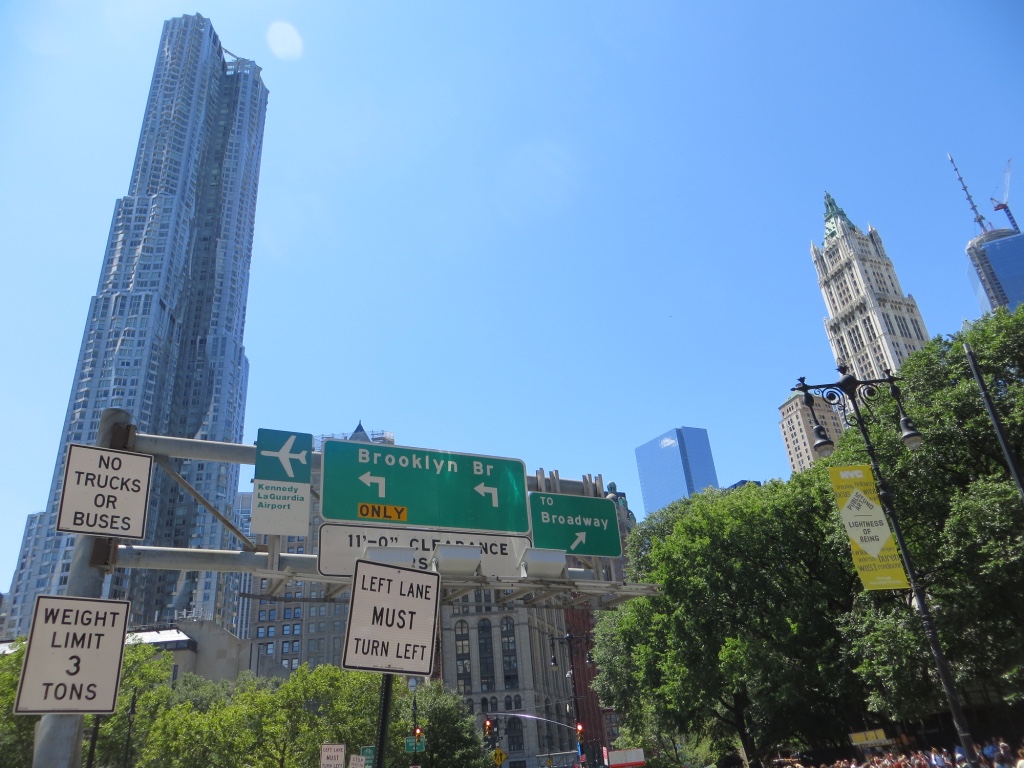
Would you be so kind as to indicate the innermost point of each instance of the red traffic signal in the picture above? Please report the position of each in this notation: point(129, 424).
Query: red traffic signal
point(418, 732)
point(579, 731)
point(487, 727)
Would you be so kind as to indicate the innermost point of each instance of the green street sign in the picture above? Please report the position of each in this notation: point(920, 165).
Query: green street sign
point(368, 752)
point(412, 746)
point(580, 525)
point(389, 485)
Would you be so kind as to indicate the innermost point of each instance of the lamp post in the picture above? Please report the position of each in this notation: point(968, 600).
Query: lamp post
point(568, 641)
point(849, 393)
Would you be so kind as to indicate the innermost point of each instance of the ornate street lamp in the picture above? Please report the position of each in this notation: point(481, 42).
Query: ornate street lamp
point(849, 394)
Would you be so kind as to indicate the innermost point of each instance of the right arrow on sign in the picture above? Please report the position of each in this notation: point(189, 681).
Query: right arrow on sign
point(581, 538)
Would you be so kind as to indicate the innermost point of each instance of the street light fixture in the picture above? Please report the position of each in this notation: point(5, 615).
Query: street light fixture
point(849, 394)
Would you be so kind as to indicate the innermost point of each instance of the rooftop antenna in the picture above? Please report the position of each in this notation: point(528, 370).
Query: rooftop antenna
point(977, 214)
point(1005, 205)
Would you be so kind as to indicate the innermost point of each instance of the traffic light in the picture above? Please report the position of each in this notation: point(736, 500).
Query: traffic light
point(579, 732)
point(418, 733)
point(487, 728)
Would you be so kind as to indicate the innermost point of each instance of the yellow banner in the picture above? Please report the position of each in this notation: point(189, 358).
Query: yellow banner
point(874, 549)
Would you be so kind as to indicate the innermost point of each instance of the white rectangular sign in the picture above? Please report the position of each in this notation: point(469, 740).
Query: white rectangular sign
point(356, 761)
point(281, 486)
point(105, 492)
point(392, 619)
point(342, 544)
point(332, 756)
point(73, 659)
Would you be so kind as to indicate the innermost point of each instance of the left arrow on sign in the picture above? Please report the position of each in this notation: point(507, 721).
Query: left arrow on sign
point(483, 490)
point(369, 479)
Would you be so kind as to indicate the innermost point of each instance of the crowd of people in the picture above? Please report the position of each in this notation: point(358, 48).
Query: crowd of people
point(993, 753)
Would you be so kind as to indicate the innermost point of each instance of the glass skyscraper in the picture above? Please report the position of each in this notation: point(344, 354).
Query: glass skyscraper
point(163, 335)
point(997, 258)
point(675, 465)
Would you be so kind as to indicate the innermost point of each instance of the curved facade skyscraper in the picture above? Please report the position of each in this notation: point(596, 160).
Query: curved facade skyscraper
point(163, 335)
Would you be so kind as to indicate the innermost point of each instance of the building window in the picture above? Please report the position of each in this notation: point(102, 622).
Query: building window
point(463, 670)
point(509, 659)
point(485, 645)
point(515, 734)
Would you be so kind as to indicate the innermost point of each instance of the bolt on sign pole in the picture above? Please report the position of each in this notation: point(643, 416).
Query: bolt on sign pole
point(58, 742)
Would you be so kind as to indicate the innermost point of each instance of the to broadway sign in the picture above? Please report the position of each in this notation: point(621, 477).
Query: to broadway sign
point(580, 525)
point(392, 619)
point(105, 492)
point(390, 485)
point(73, 659)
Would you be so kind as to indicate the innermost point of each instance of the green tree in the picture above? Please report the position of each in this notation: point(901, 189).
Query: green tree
point(452, 737)
point(963, 520)
point(763, 633)
point(16, 731)
point(741, 644)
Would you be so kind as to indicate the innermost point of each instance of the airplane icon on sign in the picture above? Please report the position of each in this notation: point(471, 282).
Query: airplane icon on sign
point(286, 457)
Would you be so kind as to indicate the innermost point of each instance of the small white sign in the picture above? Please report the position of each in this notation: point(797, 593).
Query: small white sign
point(342, 544)
point(105, 493)
point(392, 619)
point(73, 659)
point(281, 486)
point(332, 756)
point(356, 761)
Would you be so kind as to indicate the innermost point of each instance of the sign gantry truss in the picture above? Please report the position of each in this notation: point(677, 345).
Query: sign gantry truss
point(545, 582)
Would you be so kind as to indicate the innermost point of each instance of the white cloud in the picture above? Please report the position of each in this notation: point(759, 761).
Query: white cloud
point(668, 442)
point(284, 40)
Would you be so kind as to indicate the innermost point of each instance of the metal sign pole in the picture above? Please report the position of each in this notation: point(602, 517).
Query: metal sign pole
point(382, 724)
point(58, 742)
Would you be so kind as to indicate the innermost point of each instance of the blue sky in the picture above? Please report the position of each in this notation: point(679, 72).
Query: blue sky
point(547, 231)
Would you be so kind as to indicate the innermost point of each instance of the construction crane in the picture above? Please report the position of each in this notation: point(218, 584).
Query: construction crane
point(985, 227)
point(1004, 206)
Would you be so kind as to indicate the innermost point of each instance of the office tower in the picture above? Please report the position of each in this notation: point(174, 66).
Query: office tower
point(996, 255)
point(796, 426)
point(997, 258)
point(675, 465)
point(871, 325)
point(163, 335)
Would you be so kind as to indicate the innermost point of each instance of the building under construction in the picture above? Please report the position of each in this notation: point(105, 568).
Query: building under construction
point(997, 255)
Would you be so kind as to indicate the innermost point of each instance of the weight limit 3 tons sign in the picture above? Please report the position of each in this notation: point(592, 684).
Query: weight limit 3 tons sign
point(73, 659)
point(105, 492)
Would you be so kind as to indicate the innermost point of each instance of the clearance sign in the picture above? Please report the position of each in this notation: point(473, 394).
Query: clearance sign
point(874, 550)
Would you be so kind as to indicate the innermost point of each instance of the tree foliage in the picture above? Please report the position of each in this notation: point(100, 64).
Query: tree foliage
point(249, 722)
point(763, 634)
